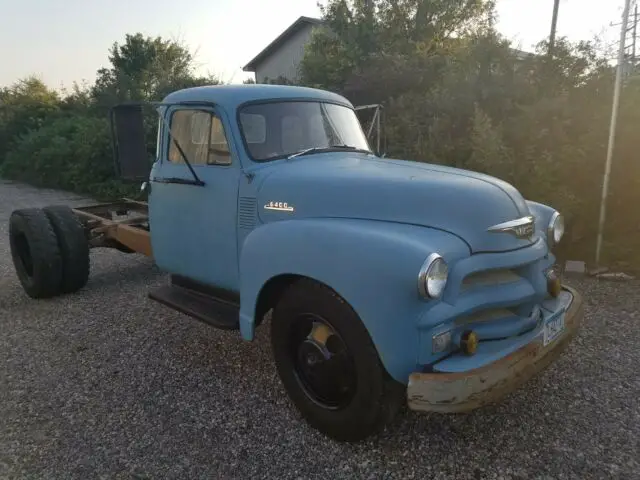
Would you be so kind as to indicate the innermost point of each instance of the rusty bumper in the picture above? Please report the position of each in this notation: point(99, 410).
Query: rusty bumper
point(466, 391)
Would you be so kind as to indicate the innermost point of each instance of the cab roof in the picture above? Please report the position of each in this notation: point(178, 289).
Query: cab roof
point(234, 95)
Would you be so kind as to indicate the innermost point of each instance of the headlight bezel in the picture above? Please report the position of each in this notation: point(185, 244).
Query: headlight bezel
point(431, 262)
point(556, 219)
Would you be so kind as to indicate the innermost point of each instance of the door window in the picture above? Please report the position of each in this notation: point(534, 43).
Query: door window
point(201, 137)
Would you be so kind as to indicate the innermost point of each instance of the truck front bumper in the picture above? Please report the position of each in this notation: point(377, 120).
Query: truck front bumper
point(465, 391)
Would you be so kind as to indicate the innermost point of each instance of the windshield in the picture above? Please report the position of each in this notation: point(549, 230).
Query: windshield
point(279, 129)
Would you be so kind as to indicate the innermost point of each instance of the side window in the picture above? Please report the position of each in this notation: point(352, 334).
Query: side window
point(201, 137)
point(218, 147)
point(254, 127)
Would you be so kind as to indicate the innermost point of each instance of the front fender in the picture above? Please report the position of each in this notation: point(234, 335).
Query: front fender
point(373, 265)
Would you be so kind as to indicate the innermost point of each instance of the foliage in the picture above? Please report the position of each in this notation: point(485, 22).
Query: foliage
point(69, 153)
point(24, 106)
point(280, 80)
point(457, 93)
point(62, 140)
point(144, 69)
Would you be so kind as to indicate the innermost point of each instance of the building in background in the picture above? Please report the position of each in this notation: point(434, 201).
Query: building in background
point(281, 58)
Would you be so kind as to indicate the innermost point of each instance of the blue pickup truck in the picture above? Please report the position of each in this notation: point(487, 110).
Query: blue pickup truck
point(385, 282)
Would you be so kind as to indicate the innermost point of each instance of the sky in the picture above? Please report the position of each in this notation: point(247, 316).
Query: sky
point(63, 41)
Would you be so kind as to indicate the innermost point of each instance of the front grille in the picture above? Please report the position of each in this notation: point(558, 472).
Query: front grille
point(500, 302)
point(490, 278)
point(484, 316)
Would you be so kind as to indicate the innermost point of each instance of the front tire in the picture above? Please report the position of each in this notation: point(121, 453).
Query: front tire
point(329, 366)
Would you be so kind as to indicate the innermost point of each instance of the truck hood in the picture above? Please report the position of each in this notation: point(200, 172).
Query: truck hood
point(360, 186)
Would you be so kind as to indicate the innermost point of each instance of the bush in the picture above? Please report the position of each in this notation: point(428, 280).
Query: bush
point(69, 153)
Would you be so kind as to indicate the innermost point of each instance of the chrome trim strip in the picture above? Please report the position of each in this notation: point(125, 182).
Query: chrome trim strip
point(489, 278)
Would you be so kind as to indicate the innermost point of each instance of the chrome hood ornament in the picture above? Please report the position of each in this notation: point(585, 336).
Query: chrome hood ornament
point(521, 228)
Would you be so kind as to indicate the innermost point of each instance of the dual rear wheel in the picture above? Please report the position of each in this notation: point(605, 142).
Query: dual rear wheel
point(50, 250)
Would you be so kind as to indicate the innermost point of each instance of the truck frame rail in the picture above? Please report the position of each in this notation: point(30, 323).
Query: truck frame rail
point(123, 225)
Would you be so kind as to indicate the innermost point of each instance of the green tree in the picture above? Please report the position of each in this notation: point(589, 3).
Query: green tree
point(357, 31)
point(144, 69)
point(24, 106)
point(61, 140)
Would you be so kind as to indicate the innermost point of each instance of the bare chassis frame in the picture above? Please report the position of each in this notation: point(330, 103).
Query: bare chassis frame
point(123, 225)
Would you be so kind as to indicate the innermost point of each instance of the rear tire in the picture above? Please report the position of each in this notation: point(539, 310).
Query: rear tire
point(358, 397)
point(35, 253)
point(73, 244)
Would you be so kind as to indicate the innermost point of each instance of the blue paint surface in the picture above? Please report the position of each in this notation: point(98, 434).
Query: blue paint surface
point(362, 225)
point(193, 229)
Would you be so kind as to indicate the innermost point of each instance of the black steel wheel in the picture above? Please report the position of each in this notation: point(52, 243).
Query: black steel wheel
point(35, 253)
point(74, 246)
point(323, 365)
point(329, 366)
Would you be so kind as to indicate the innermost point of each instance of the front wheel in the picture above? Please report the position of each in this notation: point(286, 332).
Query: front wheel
point(329, 366)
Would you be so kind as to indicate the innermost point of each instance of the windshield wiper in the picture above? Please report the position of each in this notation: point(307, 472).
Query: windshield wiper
point(196, 180)
point(307, 151)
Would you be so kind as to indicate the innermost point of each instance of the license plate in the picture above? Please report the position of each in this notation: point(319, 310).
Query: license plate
point(552, 329)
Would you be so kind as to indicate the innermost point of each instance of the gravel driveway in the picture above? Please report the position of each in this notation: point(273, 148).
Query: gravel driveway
point(108, 384)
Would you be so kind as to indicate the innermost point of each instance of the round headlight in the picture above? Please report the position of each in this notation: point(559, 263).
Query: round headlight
point(555, 230)
point(433, 276)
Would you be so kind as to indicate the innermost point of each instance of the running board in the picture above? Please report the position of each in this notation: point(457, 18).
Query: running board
point(218, 313)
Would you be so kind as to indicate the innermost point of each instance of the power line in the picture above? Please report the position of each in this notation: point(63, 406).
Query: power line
point(631, 41)
point(633, 29)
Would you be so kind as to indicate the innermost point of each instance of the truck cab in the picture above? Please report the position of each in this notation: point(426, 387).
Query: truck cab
point(385, 281)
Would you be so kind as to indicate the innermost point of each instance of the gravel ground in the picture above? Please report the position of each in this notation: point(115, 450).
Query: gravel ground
point(107, 384)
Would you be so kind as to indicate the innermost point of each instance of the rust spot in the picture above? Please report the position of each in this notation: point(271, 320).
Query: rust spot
point(466, 391)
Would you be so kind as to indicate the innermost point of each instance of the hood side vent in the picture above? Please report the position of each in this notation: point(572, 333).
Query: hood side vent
point(247, 212)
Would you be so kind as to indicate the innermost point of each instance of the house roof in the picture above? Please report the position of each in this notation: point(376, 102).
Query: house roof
point(282, 38)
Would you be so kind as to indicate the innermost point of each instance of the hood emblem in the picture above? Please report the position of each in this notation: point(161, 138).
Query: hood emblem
point(522, 228)
point(279, 206)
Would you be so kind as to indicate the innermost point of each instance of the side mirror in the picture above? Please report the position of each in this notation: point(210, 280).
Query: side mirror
point(375, 130)
point(129, 142)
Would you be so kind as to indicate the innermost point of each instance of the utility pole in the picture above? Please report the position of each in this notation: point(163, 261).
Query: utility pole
point(612, 127)
point(630, 55)
point(635, 35)
point(554, 25)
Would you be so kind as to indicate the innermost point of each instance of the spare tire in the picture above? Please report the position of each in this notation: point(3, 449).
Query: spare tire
point(73, 244)
point(35, 253)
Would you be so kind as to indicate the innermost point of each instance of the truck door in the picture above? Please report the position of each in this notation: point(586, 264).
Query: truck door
point(193, 224)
